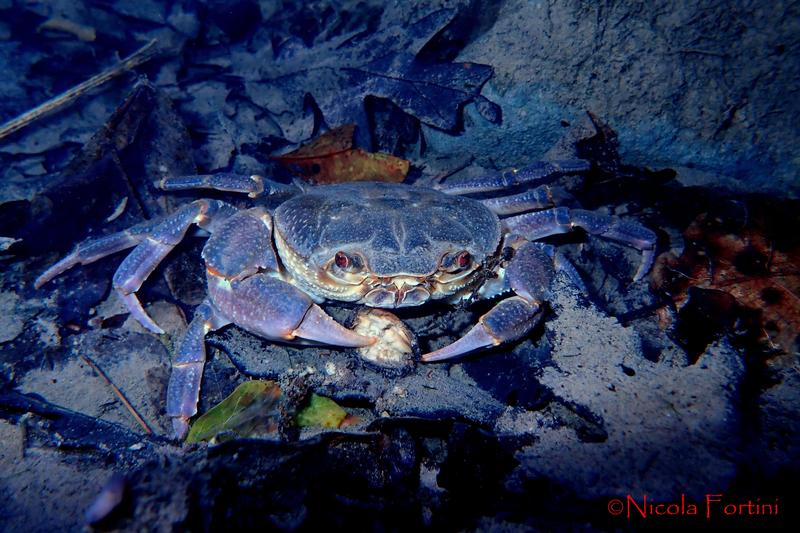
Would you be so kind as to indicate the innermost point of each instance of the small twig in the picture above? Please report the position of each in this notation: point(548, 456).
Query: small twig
point(119, 394)
point(447, 173)
point(676, 271)
point(22, 423)
point(700, 52)
point(140, 56)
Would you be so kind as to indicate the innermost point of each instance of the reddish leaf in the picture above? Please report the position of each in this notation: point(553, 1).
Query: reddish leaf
point(331, 158)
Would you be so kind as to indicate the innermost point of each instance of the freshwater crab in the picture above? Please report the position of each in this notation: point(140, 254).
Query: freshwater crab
point(377, 244)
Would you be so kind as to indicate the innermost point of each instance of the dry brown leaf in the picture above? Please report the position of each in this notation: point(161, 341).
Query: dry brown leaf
point(331, 158)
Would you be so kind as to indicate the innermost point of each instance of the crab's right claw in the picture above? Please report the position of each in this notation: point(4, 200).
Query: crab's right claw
point(318, 326)
point(274, 309)
point(530, 274)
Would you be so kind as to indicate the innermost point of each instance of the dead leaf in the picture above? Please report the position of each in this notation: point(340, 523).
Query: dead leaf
point(250, 410)
point(331, 158)
point(84, 33)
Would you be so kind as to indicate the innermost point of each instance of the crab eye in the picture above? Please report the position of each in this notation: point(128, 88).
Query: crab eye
point(341, 260)
point(455, 262)
point(351, 263)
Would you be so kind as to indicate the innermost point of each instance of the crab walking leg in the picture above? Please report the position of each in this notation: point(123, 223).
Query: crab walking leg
point(183, 390)
point(563, 265)
point(93, 250)
point(141, 262)
point(253, 186)
point(152, 240)
point(530, 274)
point(541, 224)
point(540, 197)
point(531, 174)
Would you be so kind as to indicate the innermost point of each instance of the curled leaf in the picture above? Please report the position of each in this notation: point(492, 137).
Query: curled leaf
point(250, 410)
point(331, 158)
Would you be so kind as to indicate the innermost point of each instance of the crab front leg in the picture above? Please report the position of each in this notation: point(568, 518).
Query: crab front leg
point(187, 368)
point(245, 288)
point(530, 274)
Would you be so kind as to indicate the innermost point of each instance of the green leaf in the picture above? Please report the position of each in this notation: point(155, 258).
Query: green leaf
point(250, 410)
point(321, 412)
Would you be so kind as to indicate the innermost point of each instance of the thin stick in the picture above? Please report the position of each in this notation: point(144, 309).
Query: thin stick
point(700, 52)
point(119, 394)
point(140, 56)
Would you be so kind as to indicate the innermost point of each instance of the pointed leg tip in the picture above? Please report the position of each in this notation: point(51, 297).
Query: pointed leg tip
point(156, 329)
point(180, 428)
point(55, 270)
point(148, 323)
point(648, 257)
point(435, 357)
point(137, 311)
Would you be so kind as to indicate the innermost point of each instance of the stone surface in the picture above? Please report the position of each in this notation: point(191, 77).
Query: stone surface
point(704, 87)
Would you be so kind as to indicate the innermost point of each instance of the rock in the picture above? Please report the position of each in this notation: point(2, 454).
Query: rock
point(673, 103)
point(778, 440)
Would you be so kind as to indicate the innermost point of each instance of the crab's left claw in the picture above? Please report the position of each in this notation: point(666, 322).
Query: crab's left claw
point(530, 274)
point(508, 321)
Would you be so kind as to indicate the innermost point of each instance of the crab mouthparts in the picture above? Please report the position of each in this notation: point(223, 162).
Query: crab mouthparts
point(396, 295)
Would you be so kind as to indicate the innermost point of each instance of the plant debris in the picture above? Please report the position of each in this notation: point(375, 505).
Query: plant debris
point(331, 158)
point(250, 410)
point(739, 270)
point(118, 393)
point(140, 56)
point(338, 71)
point(321, 412)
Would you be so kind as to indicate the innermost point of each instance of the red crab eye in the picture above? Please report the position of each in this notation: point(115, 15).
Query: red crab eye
point(463, 259)
point(341, 260)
